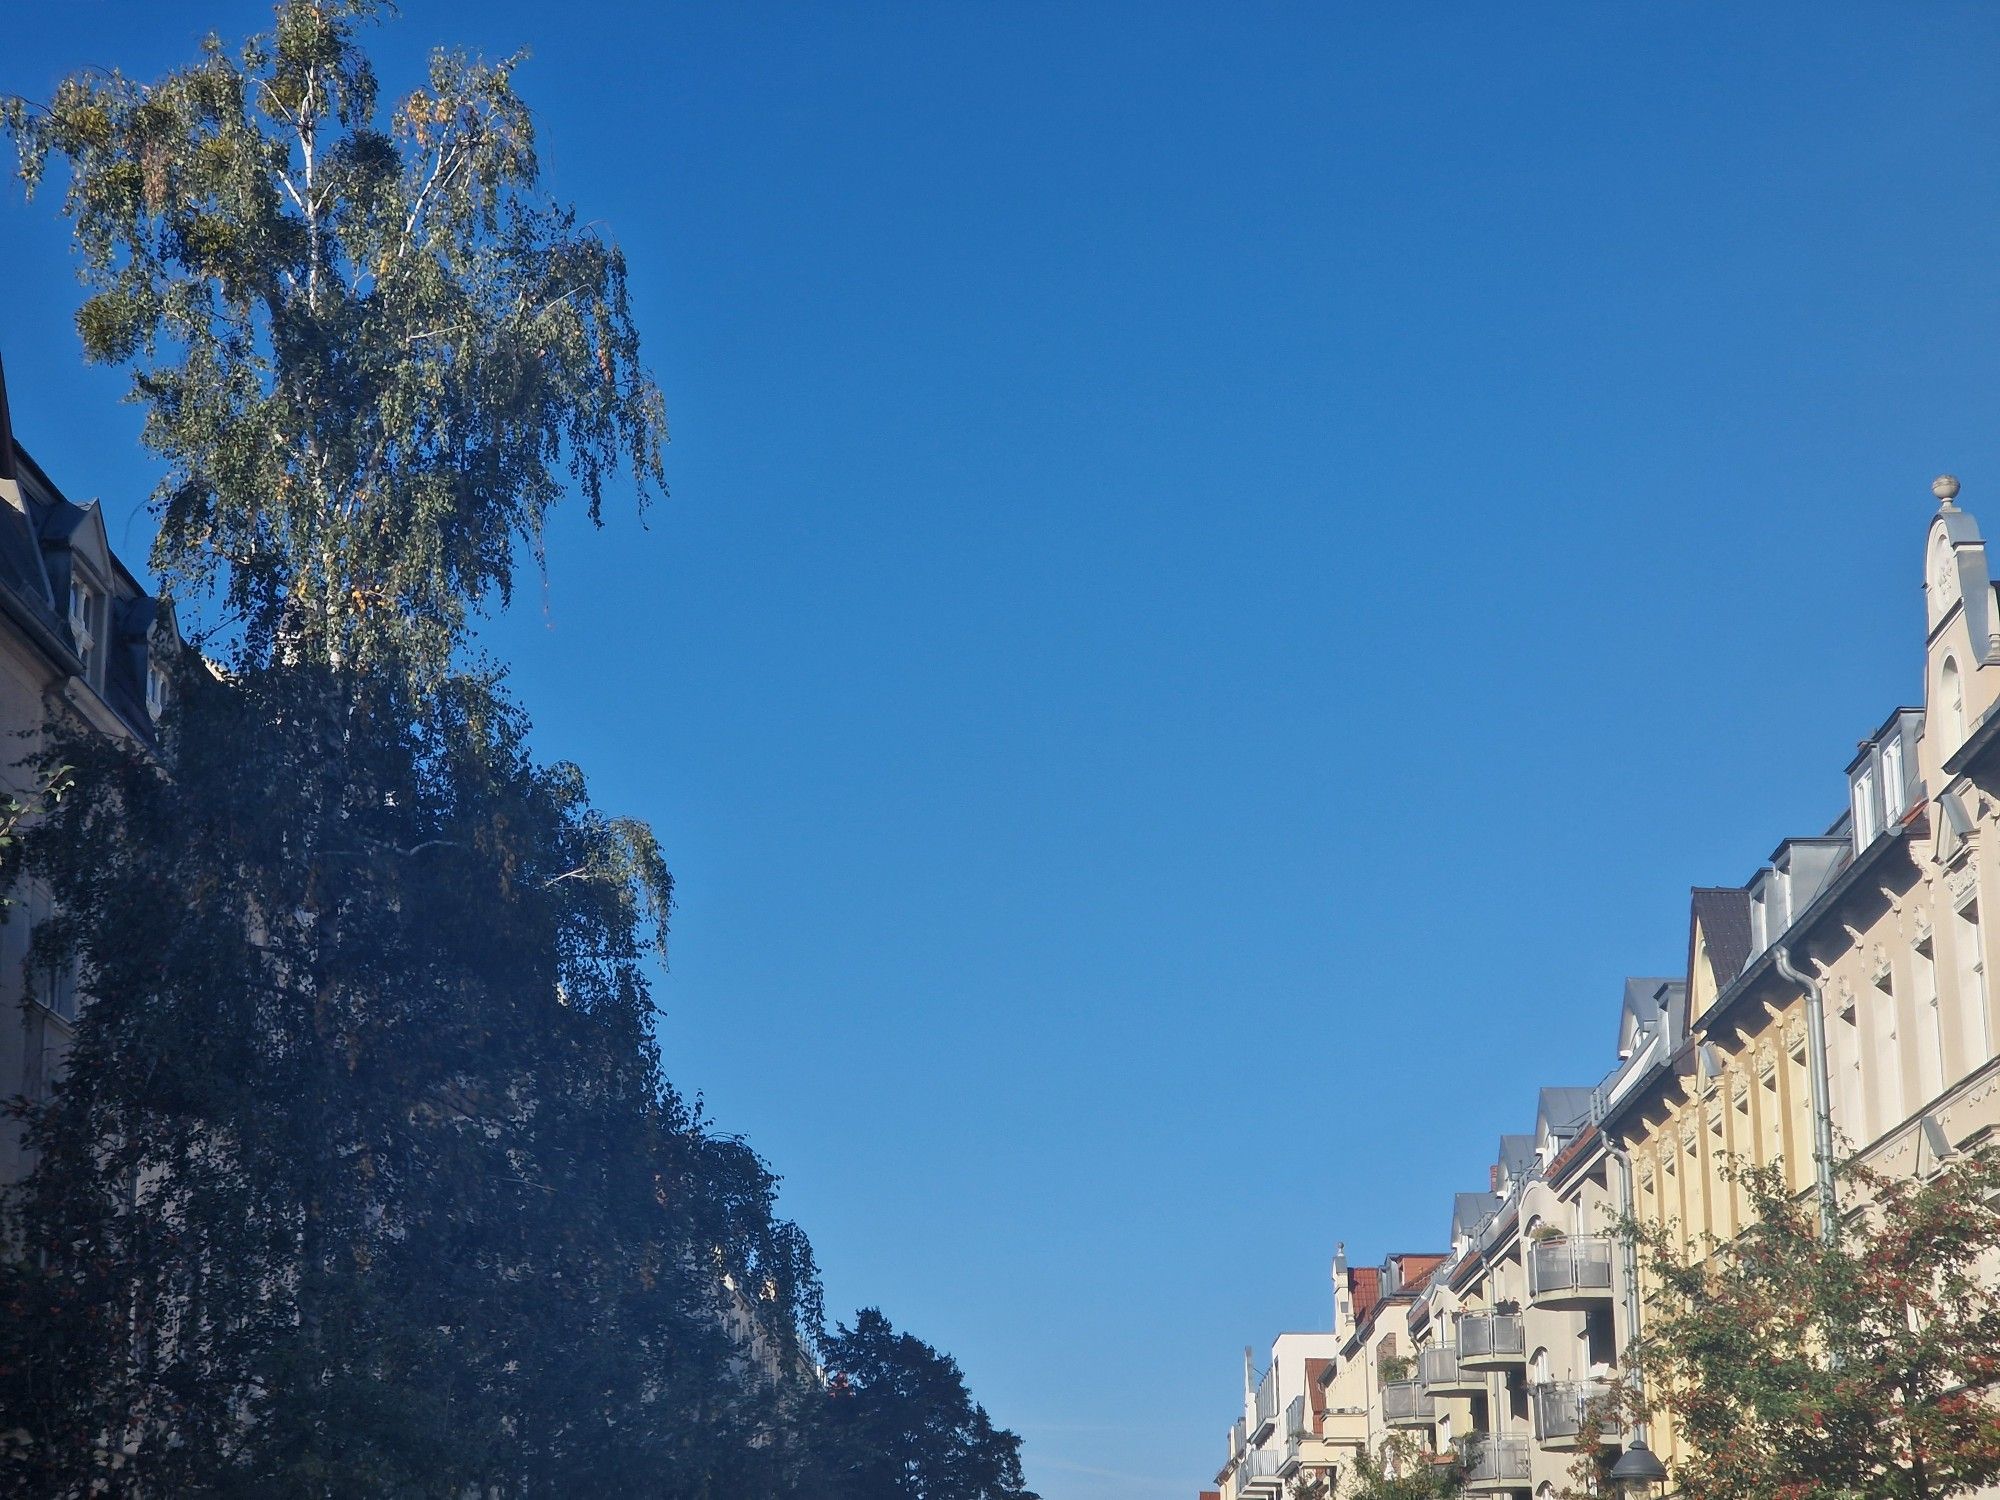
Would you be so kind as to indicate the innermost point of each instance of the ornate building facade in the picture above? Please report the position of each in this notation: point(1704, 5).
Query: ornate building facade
point(1836, 1003)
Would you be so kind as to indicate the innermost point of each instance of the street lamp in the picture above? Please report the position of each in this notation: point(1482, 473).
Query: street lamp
point(1637, 1469)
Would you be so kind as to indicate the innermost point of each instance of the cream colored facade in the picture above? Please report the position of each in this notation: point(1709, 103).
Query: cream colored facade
point(1890, 913)
point(80, 640)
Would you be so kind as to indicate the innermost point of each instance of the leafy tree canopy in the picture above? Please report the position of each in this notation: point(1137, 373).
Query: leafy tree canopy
point(365, 1177)
point(371, 355)
point(1796, 1369)
point(1401, 1467)
point(900, 1424)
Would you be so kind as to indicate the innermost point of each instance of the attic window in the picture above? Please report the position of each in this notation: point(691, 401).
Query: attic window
point(1895, 795)
point(1867, 808)
point(83, 612)
point(157, 690)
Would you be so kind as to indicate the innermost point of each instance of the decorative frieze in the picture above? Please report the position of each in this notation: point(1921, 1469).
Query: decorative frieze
point(1962, 884)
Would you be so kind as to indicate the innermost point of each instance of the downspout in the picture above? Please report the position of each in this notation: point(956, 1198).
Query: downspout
point(1629, 1258)
point(1829, 1202)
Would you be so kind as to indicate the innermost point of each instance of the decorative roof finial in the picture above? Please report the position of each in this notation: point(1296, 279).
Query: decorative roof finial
point(1945, 487)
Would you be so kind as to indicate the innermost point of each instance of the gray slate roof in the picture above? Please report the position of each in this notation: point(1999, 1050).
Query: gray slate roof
point(1561, 1109)
point(1724, 915)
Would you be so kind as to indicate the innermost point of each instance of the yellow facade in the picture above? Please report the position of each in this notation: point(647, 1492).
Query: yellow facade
point(1895, 937)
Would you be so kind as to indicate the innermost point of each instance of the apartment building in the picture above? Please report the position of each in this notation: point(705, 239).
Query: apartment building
point(80, 640)
point(1326, 1395)
point(1834, 1003)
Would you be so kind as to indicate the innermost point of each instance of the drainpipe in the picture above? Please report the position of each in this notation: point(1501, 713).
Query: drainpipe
point(1629, 1264)
point(1829, 1203)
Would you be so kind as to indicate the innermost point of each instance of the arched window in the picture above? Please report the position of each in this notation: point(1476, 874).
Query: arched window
point(1951, 705)
point(1538, 1367)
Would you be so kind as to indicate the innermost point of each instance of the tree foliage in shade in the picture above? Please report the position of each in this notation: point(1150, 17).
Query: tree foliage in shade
point(365, 1178)
point(1800, 1370)
point(897, 1423)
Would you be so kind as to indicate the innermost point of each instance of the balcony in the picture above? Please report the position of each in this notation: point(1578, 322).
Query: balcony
point(1491, 1341)
point(1407, 1404)
point(1257, 1476)
point(1295, 1434)
point(1569, 1273)
point(1442, 1373)
point(1568, 1414)
point(1495, 1464)
point(1267, 1406)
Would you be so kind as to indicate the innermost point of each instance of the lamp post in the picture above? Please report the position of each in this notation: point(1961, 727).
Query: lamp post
point(1638, 1470)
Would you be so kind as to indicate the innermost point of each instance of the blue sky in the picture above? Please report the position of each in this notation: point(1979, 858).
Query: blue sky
point(1228, 567)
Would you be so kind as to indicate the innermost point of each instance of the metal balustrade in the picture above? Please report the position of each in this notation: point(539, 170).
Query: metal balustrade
point(1569, 1272)
point(1267, 1401)
point(1495, 1463)
point(1440, 1372)
point(1405, 1403)
point(1568, 1413)
point(1257, 1475)
point(1491, 1341)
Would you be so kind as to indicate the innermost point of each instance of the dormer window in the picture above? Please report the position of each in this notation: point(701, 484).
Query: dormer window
point(84, 603)
point(1867, 808)
point(1894, 796)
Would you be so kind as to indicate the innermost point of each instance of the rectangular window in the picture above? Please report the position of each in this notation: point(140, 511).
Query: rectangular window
point(1773, 1122)
point(83, 612)
point(1929, 1021)
point(1700, 1221)
point(1970, 953)
point(1882, 1065)
point(1867, 814)
point(1800, 1162)
point(1895, 796)
point(50, 985)
point(1844, 1062)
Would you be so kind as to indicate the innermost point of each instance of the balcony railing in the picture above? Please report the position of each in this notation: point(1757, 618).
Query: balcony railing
point(1267, 1403)
point(1569, 1273)
point(1491, 1341)
point(1570, 1412)
point(1257, 1474)
point(1495, 1463)
point(1407, 1404)
point(1440, 1373)
point(1295, 1434)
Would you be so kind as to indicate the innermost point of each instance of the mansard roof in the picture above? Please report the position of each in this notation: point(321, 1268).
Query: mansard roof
point(1561, 1109)
point(1469, 1211)
point(41, 531)
point(1660, 1003)
point(1722, 915)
